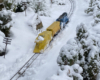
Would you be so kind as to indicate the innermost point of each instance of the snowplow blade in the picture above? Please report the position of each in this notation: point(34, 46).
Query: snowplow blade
point(37, 50)
point(42, 41)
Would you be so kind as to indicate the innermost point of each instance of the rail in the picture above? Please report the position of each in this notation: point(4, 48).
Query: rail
point(72, 8)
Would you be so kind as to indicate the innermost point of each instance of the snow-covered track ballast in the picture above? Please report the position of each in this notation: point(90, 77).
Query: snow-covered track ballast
point(20, 72)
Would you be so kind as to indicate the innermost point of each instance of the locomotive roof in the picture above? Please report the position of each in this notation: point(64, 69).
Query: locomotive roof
point(52, 26)
point(64, 14)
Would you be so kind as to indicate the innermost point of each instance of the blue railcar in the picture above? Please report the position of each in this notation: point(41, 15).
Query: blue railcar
point(63, 20)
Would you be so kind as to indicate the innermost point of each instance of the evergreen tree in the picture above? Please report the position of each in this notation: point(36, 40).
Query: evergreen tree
point(5, 18)
point(40, 7)
point(89, 57)
point(94, 8)
point(68, 54)
point(83, 50)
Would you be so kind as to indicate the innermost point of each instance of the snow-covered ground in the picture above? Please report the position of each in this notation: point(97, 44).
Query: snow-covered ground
point(44, 67)
point(22, 45)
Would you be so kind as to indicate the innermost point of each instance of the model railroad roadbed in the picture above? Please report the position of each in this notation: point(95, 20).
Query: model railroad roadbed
point(20, 72)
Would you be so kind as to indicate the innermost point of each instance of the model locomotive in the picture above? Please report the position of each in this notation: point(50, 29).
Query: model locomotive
point(44, 38)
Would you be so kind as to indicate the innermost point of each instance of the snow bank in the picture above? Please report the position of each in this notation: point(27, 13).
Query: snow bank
point(68, 73)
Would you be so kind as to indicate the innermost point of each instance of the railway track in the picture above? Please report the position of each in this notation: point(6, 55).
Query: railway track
point(20, 72)
point(72, 8)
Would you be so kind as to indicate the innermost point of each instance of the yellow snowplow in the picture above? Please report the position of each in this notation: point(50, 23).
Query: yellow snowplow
point(54, 27)
point(45, 37)
point(42, 41)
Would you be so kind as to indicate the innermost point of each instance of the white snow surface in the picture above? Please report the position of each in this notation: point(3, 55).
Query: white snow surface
point(45, 66)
